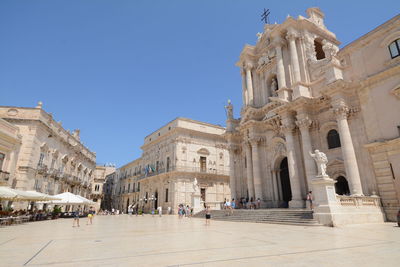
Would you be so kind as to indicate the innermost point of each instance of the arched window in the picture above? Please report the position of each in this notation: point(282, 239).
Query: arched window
point(342, 186)
point(320, 54)
point(333, 139)
point(394, 48)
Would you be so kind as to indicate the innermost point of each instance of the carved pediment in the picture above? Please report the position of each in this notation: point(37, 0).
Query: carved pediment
point(203, 151)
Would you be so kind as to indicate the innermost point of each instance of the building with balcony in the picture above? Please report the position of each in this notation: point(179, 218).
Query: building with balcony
point(51, 159)
point(172, 157)
point(301, 93)
point(97, 184)
point(10, 143)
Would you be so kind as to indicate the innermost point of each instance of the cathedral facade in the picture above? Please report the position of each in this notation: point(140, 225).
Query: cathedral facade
point(301, 93)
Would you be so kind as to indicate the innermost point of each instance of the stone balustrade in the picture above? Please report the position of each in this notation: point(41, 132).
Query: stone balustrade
point(358, 201)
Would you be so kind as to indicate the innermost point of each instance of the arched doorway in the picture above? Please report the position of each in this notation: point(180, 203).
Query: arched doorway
point(156, 200)
point(285, 182)
point(342, 186)
point(127, 205)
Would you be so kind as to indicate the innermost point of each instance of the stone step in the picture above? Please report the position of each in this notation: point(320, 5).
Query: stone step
point(279, 216)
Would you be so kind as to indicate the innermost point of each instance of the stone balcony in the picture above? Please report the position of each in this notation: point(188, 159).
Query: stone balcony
point(188, 169)
point(42, 169)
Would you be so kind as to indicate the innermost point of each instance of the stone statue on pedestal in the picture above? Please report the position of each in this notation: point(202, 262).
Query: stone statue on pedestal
point(229, 110)
point(321, 160)
point(196, 187)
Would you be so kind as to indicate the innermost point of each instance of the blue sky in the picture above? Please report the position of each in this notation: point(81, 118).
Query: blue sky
point(119, 70)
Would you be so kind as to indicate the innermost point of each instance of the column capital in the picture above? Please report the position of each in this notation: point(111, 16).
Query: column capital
point(248, 66)
point(254, 141)
point(278, 42)
point(291, 34)
point(304, 123)
point(341, 112)
point(288, 128)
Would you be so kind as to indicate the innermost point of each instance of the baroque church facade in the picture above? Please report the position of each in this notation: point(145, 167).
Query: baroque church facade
point(301, 93)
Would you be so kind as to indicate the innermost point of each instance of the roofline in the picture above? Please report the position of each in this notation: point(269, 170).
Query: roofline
point(189, 120)
point(368, 34)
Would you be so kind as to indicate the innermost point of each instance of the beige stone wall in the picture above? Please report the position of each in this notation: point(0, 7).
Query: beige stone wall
point(182, 143)
point(10, 143)
point(298, 86)
point(51, 159)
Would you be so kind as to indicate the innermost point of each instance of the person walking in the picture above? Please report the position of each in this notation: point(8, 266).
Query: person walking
point(310, 199)
point(208, 215)
point(90, 216)
point(76, 218)
point(233, 205)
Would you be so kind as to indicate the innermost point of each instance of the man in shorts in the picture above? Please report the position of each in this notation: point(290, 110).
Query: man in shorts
point(76, 218)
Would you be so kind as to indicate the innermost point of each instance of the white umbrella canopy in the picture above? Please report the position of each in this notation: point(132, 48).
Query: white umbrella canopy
point(7, 193)
point(69, 199)
point(87, 201)
point(43, 196)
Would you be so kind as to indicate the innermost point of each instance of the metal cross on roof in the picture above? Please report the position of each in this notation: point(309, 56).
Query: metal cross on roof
point(264, 16)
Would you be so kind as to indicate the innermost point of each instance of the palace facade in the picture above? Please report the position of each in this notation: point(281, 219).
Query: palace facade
point(301, 93)
point(173, 157)
point(37, 153)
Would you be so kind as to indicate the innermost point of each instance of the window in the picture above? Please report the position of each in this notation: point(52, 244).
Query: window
point(166, 195)
point(203, 164)
point(168, 163)
point(138, 187)
point(2, 157)
point(129, 187)
point(394, 48)
point(134, 187)
point(41, 159)
point(318, 50)
point(333, 139)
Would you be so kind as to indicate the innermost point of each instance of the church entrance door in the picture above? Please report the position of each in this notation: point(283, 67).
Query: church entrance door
point(285, 182)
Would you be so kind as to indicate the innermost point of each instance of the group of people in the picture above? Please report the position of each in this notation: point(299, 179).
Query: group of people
point(230, 206)
point(184, 211)
point(77, 214)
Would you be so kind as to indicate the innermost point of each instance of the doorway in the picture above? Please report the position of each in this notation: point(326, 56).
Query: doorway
point(342, 186)
point(156, 200)
point(285, 182)
point(203, 164)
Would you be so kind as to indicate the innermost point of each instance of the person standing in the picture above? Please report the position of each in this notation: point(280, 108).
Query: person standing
point(208, 215)
point(76, 218)
point(159, 209)
point(310, 199)
point(90, 216)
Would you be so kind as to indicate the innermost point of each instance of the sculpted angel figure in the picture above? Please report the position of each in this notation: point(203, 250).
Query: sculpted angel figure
point(321, 160)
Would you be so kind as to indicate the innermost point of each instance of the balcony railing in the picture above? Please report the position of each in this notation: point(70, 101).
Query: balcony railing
point(186, 169)
point(42, 169)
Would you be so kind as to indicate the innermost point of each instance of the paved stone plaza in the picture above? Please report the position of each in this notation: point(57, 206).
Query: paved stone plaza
point(168, 241)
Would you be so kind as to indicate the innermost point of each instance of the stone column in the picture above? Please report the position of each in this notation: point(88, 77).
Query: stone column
point(280, 69)
point(249, 84)
point(288, 128)
point(304, 123)
point(349, 156)
point(244, 89)
point(232, 173)
point(256, 168)
point(249, 169)
point(294, 59)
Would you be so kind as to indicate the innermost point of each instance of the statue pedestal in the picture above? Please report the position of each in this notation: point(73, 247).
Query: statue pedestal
point(325, 202)
point(196, 205)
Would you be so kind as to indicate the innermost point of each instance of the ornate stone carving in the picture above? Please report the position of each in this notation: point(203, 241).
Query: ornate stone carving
point(341, 112)
point(321, 161)
point(288, 128)
point(291, 34)
point(329, 49)
point(304, 123)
